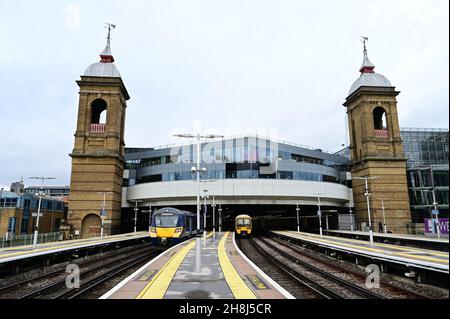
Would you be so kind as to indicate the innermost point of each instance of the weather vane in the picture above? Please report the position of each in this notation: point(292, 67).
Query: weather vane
point(110, 27)
point(364, 40)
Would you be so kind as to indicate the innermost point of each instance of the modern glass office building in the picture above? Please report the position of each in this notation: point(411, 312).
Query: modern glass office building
point(243, 174)
point(427, 170)
point(236, 158)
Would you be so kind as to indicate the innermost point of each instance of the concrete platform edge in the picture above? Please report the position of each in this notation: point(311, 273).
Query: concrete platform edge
point(126, 280)
point(283, 291)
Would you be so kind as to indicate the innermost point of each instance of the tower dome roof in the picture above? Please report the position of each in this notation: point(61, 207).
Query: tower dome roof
point(104, 68)
point(370, 79)
point(368, 76)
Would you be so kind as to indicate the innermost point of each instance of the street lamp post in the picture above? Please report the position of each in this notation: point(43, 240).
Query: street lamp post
point(367, 194)
point(350, 203)
point(220, 218)
point(1, 206)
point(1, 195)
point(149, 218)
point(197, 171)
point(435, 204)
point(352, 227)
point(214, 216)
point(435, 208)
point(319, 212)
point(205, 210)
point(136, 209)
point(41, 193)
point(384, 215)
point(205, 207)
point(298, 219)
point(103, 212)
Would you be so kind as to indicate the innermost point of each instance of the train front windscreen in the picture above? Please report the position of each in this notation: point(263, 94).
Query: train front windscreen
point(166, 220)
point(243, 222)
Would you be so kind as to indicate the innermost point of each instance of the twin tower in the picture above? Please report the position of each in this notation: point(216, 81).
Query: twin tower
point(95, 200)
point(98, 156)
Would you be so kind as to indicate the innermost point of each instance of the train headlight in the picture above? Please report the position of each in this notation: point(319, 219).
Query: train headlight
point(178, 230)
point(152, 229)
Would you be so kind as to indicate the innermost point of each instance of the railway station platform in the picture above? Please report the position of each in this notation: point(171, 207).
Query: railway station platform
point(419, 258)
point(432, 243)
point(225, 273)
point(24, 252)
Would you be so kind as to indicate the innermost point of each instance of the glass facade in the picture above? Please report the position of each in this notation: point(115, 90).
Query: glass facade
point(426, 151)
point(248, 157)
point(425, 147)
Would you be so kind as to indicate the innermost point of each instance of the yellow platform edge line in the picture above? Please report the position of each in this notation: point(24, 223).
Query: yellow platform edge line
point(237, 285)
point(165, 281)
point(410, 255)
point(157, 287)
point(72, 244)
point(404, 248)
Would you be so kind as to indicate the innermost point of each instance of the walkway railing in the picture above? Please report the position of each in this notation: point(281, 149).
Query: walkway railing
point(21, 240)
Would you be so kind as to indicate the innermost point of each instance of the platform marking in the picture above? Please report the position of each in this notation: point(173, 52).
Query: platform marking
point(81, 243)
point(237, 285)
point(344, 241)
point(274, 284)
point(157, 287)
point(392, 236)
point(412, 257)
point(390, 246)
point(148, 275)
point(139, 271)
point(364, 247)
point(256, 282)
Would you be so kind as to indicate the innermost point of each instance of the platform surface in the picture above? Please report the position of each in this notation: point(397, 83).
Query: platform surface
point(423, 258)
point(20, 252)
point(393, 236)
point(224, 274)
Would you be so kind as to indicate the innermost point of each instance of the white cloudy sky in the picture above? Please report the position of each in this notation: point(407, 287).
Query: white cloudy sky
point(234, 65)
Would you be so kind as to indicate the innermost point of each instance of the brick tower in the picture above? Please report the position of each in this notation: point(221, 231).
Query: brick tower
point(376, 150)
point(98, 154)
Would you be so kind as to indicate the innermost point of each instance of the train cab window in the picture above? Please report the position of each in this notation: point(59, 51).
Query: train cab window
point(166, 220)
point(243, 222)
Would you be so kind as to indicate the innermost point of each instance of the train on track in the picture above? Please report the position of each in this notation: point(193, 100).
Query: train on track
point(171, 226)
point(243, 225)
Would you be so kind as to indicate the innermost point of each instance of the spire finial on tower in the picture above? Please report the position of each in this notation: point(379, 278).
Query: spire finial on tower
point(367, 66)
point(106, 56)
point(364, 40)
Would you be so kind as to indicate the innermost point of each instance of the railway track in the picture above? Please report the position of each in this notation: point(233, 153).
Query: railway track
point(335, 286)
point(96, 280)
point(320, 282)
point(331, 266)
point(299, 286)
point(52, 285)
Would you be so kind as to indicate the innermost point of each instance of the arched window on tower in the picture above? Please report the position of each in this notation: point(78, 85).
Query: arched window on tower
point(98, 116)
point(380, 122)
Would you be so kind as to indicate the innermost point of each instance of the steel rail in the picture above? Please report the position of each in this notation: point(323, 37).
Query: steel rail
point(363, 292)
point(302, 280)
point(101, 266)
point(59, 271)
point(97, 280)
point(297, 249)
